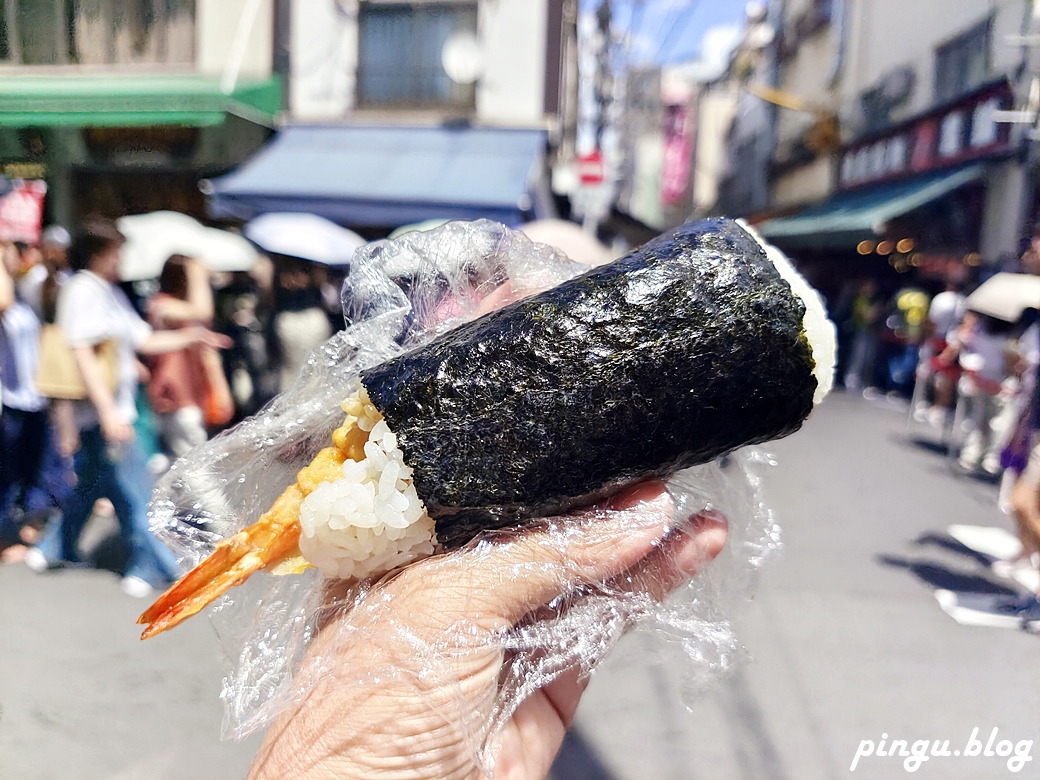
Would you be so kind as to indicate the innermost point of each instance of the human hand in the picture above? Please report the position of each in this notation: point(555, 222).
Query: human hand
point(374, 710)
point(157, 308)
point(68, 442)
point(114, 428)
point(209, 338)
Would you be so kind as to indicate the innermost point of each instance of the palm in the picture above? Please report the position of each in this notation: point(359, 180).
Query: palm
point(401, 683)
point(532, 738)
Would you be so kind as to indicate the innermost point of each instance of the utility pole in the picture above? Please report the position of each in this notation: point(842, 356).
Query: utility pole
point(595, 87)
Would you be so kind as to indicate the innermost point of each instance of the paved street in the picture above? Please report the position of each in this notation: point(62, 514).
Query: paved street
point(848, 643)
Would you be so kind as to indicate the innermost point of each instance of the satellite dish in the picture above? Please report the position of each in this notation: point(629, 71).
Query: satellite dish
point(462, 57)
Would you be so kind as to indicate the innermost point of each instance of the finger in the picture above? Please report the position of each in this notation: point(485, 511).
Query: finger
point(682, 555)
point(508, 577)
point(564, 693)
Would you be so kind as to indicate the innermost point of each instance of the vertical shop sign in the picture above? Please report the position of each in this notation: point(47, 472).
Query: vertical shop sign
point(675, 168)
point(21, 212)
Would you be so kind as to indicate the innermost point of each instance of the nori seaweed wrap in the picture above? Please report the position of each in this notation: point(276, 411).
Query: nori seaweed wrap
point(683, 350)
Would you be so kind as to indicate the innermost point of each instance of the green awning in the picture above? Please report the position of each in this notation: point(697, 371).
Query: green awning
point(120, 101)
point(850, 217)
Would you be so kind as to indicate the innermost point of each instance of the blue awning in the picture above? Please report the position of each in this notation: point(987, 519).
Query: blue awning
point(850, 217)
point(385, 176)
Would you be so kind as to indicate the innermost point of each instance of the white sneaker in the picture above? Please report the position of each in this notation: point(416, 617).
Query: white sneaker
point(136, 587)
point(35, 560)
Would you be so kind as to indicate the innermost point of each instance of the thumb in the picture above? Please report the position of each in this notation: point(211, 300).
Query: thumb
point(502, 579)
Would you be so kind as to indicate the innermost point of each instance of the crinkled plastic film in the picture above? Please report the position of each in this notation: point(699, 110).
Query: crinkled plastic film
point(401, 294)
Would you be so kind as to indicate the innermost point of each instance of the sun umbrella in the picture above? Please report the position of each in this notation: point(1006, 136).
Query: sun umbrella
point(152, 238)
point(1006, 296)
point(569, 239)
point(306, 236)
point(417, 227)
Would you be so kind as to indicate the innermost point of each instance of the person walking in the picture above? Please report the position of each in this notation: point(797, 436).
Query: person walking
point(300, 323)
point(23, 416)
point(187, 388)
point(860, 371)
point(109, 462)
point(40, 284)
point(980, 345)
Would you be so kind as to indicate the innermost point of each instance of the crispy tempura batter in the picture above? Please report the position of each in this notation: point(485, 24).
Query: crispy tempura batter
point(272, 541)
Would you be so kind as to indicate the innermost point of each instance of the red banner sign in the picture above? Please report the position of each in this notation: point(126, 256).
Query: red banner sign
point(21, 212)
point(675, 170)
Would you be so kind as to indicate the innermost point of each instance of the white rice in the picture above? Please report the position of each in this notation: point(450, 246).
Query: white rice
point(819, 330)
point(371, 521)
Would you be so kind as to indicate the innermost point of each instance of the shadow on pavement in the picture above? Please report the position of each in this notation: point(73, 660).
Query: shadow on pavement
point(110, 554)
point(949, 544)
point(928, 445)
point(936, 575)
point(577, 761)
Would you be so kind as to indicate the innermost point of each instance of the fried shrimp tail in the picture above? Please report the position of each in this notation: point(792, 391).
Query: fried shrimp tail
point(270, 541)
point(272, 538)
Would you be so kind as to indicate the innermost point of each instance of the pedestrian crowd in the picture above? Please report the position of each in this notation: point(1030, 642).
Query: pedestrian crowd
point(103, 384)
point(971, 377)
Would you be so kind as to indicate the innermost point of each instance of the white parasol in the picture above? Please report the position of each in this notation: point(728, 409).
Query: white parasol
point(569, 239)
point(1006, 296)
point(152, 238)
point(418, 227)
point(306, 236)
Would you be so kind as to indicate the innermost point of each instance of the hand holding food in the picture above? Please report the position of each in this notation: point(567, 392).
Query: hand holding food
point(345, 730)
point(684, 350)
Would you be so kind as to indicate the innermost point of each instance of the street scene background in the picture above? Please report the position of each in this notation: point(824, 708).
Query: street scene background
point(220, 166)
point(845, 642)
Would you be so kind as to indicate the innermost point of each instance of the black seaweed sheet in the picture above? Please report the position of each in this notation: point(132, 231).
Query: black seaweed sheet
point(683, 350)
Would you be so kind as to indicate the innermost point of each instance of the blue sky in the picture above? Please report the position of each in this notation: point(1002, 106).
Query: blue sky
point(674, 30)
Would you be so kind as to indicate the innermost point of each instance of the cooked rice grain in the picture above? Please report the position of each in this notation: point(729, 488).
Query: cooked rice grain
point(371, 521)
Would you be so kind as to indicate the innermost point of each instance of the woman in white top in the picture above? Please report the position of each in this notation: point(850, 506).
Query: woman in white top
point(109, 462)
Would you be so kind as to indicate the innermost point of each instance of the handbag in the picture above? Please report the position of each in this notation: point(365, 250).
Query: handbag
point(220, 405)
point(192, 377)
point(58, 375)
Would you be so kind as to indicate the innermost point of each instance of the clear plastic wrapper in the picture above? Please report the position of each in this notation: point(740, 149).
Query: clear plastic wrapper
point(400, 294)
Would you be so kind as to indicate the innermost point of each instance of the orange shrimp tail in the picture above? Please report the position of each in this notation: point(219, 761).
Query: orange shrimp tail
point(270, 539)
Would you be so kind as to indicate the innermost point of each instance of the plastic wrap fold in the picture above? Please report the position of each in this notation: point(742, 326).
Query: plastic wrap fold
point(400, 294)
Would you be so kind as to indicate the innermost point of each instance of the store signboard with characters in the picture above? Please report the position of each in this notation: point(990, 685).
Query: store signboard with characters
point(956, 133)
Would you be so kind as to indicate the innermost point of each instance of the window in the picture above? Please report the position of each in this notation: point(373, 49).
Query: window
point(399, 55)
point(963, 63)
point(97, 32)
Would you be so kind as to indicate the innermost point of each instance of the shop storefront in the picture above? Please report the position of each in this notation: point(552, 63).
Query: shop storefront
point(118, 145)
point(923, 202)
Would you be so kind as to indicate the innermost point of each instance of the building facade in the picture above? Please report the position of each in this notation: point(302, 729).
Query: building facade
point(404, 96)
point(385, 61)
point(123, 108)
point(888, 130)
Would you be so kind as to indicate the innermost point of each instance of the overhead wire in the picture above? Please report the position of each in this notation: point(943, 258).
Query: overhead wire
point(679, 22)
point(635, 25)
